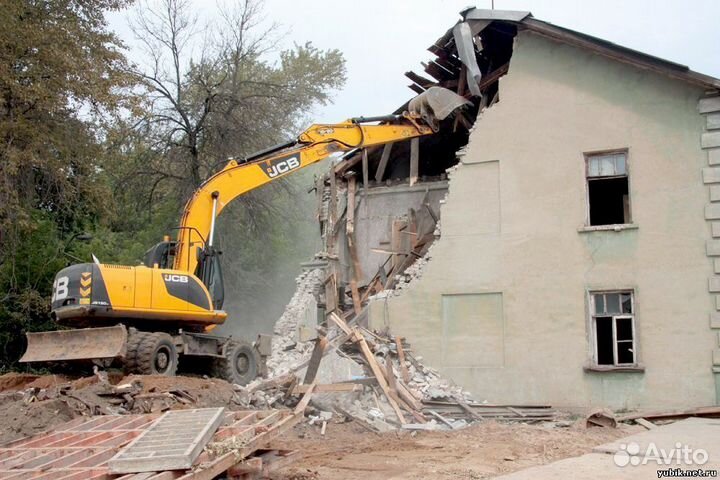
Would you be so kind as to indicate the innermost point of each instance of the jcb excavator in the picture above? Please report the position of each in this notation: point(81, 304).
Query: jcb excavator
point(144, 317)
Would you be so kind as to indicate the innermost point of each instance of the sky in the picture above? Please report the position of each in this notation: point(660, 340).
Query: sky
point(382, 39)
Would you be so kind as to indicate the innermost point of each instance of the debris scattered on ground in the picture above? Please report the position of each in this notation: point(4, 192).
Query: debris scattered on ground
point(29, 408)
point(119, 444)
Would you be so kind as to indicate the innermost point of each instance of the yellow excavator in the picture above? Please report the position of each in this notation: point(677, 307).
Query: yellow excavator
point(144, 317)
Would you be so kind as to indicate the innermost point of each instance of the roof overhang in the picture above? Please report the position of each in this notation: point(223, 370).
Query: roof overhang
point(477, 19)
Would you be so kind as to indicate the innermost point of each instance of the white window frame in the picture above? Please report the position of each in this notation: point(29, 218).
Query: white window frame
point(587, 156)
point(593, 324)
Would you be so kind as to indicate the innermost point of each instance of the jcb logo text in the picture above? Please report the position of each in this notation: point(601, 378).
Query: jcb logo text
point(175, 278)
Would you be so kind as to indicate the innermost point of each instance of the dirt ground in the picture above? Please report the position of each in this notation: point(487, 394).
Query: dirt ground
point(22, 418)
point(484, 450)
point(347, 450)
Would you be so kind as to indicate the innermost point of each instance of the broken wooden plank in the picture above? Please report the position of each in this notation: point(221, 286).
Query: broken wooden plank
point(277, 382)
point(645, 423)
point(384, 157)
point(342, 324)
point(401, 360)
point(390, 375)
point(516, 411)
point(328, 388)
point(469, 411)
point(423, 82)
point(304, 401)
point(377, 371)
point(214, 467)
point(712, 411)
point(441, 418)
point(363, 422)
point(352, 248)
point(365, 170)
point(317, 354)
point(407, 396)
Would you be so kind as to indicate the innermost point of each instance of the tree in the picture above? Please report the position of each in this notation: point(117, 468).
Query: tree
point(61, 74)
point(228, 100)
point(219, 96)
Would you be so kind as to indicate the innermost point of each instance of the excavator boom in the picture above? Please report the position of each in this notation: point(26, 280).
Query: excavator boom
point(146, 316)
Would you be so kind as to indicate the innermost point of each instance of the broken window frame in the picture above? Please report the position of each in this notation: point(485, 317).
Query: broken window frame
point(588, 178)
point(593, 316)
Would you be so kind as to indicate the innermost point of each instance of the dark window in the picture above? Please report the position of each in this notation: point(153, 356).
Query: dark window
point(608, 191)
point(613, 326)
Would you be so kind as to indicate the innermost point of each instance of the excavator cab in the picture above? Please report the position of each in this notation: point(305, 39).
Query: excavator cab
point(161, 254)
point(209, 272)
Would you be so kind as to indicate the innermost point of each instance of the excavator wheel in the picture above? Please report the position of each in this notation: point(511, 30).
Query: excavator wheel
point(239, 365)
point(151, 354)
point(133, 345)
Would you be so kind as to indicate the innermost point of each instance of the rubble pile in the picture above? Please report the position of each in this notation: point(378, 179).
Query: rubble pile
point(287, 349)
point(348, 376)
point(38, 403)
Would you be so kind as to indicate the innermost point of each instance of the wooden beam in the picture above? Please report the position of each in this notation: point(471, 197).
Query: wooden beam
point(332, 214)
point(352, 248)
point(401, 359)
point(365, 167)
point(342, 324)
point(327, 388)
point(304, 401)
point(315, 358)
point(390, 374)
point(379, 376)
point(414, 160)
point(493, 76)
point(387, 148)
point(423, 82)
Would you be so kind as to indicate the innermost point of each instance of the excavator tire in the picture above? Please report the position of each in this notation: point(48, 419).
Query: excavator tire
point(133, 345)
point(151, 354)
point(240, 363)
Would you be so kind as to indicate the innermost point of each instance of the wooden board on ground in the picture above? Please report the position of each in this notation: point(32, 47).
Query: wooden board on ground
point(378, 372)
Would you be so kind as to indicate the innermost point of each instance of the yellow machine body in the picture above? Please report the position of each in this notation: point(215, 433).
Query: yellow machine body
point(90, 293)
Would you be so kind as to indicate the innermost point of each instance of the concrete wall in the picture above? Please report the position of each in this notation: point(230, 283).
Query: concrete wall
point(506, 289)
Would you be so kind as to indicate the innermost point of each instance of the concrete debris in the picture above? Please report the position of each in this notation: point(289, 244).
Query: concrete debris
point(287, 348)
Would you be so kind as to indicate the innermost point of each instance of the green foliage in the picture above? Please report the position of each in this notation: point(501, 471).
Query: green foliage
point(89, 143)
point(57, 59)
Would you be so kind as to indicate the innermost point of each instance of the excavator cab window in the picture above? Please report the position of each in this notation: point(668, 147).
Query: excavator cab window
point(161, 254)
point(210, 272)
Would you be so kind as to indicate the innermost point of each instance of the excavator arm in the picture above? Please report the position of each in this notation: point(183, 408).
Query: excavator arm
point(132, 310)
point(197, 227)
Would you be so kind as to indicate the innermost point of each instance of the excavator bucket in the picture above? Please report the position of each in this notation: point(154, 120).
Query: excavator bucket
point(80, 344)
point(436, 104)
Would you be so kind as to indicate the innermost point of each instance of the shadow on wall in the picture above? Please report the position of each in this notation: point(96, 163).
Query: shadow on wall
point(264, 237)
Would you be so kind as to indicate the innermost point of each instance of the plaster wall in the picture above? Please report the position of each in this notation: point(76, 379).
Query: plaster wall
point(514, 264)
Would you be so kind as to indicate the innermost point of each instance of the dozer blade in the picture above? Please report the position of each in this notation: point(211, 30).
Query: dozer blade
point(80, 344)
point(435, 104)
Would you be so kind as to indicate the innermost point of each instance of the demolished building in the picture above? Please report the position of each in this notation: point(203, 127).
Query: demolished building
point(558, 242)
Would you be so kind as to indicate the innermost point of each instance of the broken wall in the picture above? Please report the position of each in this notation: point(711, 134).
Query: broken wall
point(376, 209)
point(502, 306)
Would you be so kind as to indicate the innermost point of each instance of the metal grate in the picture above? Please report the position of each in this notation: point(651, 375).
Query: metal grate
point(173, 442)
point(82, 448)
